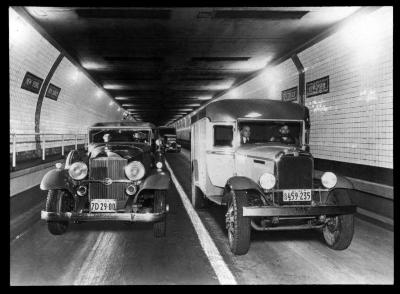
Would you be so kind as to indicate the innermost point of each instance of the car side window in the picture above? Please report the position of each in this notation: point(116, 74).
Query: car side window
point(223, 135)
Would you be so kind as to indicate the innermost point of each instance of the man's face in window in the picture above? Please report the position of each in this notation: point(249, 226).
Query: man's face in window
point(246, 132)
point(284, 130)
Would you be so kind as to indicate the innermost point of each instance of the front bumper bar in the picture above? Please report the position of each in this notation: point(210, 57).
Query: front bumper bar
point(114, 216)
point(298, 210)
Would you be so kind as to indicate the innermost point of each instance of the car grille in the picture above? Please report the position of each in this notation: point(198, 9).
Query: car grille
point(106, 167)
point(294, 172)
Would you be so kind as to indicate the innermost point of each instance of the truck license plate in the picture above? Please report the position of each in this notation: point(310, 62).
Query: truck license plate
point(297, 195)
point(103, 205)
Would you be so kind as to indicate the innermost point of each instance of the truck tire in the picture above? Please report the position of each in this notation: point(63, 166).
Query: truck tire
point(58, 201)
point(338, 232)
point(160, 227)
point(197, 195)
point(237, 225)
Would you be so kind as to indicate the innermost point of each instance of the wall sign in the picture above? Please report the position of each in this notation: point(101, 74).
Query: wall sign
point(289, 94)
point(31, 83)
point(317, 87)
point(52, 92)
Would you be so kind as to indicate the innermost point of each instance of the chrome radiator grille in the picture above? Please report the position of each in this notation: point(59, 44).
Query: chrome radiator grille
point(106, 167)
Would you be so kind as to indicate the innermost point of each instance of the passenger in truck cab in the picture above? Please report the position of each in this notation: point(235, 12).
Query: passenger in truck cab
point(245, 135)
point(284, 136)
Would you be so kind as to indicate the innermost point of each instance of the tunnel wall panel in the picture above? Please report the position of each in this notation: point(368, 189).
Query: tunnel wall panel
point(354, 122)
point(80, 103)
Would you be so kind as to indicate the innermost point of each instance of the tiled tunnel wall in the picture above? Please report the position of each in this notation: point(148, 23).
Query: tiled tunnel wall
point(353, 123)
point(80, 102)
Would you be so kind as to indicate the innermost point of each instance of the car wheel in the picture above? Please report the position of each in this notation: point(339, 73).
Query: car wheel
point(197, 195)
point(237, 225)
point(339, 230)
point(58, 201)
point(159, 228)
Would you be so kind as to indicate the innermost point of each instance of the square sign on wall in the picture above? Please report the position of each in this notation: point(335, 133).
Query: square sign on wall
point(31, 83)
point(317, 87)
point(289, 94)
point(52, 92)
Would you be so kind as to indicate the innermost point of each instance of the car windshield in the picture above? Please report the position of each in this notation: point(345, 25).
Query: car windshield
point(253, 132)
point(119, 135)
point(166, 131)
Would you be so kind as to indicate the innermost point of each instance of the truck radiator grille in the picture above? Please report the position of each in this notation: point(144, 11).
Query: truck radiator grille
point(106, 167)
point(295, 172)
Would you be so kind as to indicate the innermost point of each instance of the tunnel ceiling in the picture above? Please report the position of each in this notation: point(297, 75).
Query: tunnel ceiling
point(162, 63)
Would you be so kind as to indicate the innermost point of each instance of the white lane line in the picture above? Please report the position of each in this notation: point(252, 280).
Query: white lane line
point(222, 271)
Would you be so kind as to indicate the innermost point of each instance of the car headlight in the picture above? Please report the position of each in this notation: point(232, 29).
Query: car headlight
point(159, 165)
point(267, 181)
point(134, 170)
point(329, 180)
point(78, 170)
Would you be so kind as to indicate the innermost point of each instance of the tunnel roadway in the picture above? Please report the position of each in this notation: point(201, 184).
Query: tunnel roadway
point(124, 254)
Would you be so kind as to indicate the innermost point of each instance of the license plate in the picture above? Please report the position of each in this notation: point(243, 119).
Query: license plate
point(103, 205)
point(297, 195)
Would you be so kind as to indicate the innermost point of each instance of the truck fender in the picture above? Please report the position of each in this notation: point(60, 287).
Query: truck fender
point(239, 183)
point(156, 181)
point(56, 179)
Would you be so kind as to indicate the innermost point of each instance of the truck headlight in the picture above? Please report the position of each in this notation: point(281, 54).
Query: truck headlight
point(78, 170)
point(329, 180)
point(134, 170)
point(267, 181)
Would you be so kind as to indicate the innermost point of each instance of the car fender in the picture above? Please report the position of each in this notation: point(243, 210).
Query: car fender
point(56, 179)
point(158, 180)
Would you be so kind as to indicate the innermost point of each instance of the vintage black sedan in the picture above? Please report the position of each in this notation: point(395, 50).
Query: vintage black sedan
point(120, 178)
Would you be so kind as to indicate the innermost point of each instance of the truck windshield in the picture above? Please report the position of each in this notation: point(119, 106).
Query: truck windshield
point(253, 132)
point(115, 135)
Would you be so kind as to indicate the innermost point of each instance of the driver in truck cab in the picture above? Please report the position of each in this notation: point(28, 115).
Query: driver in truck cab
point(284, 136)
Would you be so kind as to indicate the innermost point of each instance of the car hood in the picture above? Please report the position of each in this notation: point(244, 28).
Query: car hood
point(129, 152)
point(263, 151)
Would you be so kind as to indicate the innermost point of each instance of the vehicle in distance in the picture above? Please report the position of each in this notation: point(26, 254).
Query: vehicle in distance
point(252, 156)
point(120, 178)
point(167, 136)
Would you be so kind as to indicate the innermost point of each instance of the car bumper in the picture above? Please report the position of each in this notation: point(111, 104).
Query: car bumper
point(298, 210)
point(114, 216)
point(172, 148)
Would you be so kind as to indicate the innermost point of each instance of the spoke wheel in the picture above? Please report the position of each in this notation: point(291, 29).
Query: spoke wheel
point(58, 201)
point(238, 226)
point(339, 230)
point(160, 227)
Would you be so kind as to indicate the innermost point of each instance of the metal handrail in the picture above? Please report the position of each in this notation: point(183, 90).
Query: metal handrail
point(43, 141)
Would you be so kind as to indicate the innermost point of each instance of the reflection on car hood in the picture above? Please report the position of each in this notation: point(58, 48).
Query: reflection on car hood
point(267, 151)
point(129, 152)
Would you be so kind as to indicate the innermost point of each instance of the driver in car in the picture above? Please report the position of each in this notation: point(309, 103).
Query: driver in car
point(284, 136)
point(245, 135)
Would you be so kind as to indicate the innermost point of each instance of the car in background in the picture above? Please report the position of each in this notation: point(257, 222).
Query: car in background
point(120, 178)
point(167, 137)
point(267, 182)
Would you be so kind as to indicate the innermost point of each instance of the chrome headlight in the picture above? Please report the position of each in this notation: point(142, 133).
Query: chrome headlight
point(329, 180)
point(267, 181)
point(78, 170)
point(134, 170)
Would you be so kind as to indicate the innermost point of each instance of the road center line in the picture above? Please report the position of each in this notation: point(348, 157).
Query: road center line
point(222, 271)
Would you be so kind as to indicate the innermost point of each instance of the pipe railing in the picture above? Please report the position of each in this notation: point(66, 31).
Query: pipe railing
point(65, 137)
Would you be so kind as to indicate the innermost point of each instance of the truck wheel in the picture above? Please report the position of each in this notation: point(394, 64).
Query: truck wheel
point(197, 195)
point(58, 201)
point(339, 231)
point(159, 228)
point(237, 225)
